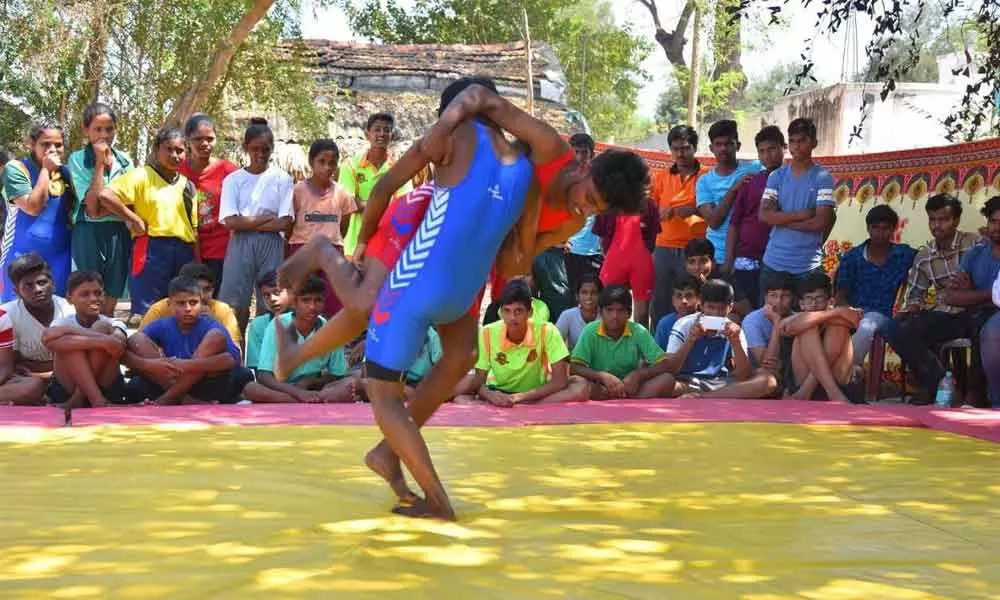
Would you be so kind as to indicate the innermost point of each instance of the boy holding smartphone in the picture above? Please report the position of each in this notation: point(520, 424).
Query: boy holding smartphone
point(707, 352)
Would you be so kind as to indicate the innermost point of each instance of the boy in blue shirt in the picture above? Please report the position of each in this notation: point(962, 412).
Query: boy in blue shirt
point(319, 380)
point(716, 189)
point(687, 291)
point(798, 203)
point(184, 359)
point(708, 359)
point(869, 277)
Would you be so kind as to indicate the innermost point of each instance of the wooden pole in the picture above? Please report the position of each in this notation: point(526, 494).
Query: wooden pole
point(695, 79)
point(531, 74)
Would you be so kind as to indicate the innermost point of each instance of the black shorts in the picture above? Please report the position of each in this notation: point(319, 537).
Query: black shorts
point(224, 388)
point(114, 393)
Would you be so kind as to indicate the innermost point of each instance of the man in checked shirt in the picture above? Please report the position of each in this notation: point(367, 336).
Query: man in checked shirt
point(924, 323)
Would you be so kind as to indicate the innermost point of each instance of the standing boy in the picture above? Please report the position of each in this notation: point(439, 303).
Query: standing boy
point(673, 192)
point(712, 191)
point(798, 203)
point(360, 174)
point(747, 236)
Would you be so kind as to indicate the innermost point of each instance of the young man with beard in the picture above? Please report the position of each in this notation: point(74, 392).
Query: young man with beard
point(923, 322)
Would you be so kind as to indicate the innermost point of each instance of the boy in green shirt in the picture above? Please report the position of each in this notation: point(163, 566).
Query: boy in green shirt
point(360, 174)
point(320, 380)
point(619, 358)
point(271, 293)
point(521, 360)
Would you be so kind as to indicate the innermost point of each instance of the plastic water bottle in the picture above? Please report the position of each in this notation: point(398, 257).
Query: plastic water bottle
point(945, 391)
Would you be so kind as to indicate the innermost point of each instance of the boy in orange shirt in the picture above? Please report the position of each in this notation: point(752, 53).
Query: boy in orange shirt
point(673, 192)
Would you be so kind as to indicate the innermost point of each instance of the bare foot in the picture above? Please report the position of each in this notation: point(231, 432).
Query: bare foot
point(421, 509)
point(303, 263)
point(387, 466)
point(689, 396)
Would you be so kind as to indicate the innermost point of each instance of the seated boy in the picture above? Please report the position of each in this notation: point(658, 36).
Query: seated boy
point(17, 386)
point(822, 353)
point(87, 346)
point(699, 260)
point(521, 360)
point(707, 352)
point(539, 309)
point(319, 380)
point(186, 358)
point(430, 354)
point(619, 358)
point(216, 309)
point(686, 294)
point(269, 291)
point(771, 352)
point(31, 313)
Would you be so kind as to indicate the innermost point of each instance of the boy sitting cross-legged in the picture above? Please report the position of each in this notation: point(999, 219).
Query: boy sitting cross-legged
point(708, 352)
point(521, 360)
point(822, 353)
point(87, 348)
point(319, 380)
point(186, 358)
point(216, 309)
point(619, 358)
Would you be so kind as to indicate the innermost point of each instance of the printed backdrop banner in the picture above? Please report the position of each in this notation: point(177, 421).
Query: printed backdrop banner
point(903, 180)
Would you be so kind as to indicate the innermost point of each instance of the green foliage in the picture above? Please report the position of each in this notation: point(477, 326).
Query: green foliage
point(601, 60)
point(762, 93)
point(937, 36)
point(156, 49)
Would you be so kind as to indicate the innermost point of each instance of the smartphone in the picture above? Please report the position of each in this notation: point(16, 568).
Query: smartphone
point(321, 218)
point(713, 323)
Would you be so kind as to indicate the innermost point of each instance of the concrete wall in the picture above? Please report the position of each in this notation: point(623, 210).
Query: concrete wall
point(910, 117)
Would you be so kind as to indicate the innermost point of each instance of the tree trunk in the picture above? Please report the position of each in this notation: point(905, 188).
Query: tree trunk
point(728, 51)
point(197, 92)
point(673, 42)
point(94, 62)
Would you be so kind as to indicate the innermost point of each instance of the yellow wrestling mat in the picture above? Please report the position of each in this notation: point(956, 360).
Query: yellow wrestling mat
point(747, 511)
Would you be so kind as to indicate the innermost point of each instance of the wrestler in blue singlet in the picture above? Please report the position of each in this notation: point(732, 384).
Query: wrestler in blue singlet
point(443, 267)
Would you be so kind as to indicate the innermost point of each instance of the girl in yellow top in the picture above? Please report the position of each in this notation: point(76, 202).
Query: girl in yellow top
point(157, 203)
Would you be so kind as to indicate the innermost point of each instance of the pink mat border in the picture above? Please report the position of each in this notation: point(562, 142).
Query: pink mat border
point(977, 423)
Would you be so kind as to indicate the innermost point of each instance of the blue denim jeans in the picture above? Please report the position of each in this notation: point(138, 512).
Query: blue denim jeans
point(989, 350)
point(872, 323)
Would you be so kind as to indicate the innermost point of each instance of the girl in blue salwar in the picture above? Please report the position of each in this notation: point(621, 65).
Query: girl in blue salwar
point(40, 198)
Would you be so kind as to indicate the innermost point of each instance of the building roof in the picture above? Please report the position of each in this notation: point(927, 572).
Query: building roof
point(356, 80)
point(431, 67)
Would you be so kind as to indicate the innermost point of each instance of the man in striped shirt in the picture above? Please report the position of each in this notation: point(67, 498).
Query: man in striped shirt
point(926, 320)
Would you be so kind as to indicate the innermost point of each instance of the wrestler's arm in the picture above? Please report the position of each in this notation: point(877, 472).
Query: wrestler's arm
point(412, 162)
point(519, 247)
point(546, 143)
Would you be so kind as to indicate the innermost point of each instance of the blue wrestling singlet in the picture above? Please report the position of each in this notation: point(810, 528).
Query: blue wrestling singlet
point(444, 266)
